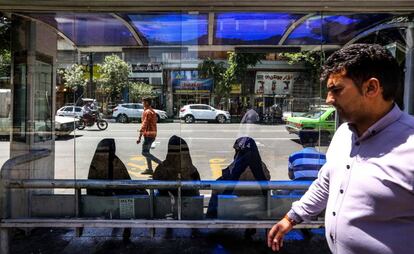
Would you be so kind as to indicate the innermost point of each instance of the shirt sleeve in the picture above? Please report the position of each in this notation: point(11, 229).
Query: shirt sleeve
point(144, 124)
point(314, 200)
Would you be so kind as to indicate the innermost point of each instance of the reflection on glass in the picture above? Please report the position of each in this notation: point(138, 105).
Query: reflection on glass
point(251, 28)
point(171, 28)
point(333, 29)
point(19, 102)
point(98, 29)
point(43, 102)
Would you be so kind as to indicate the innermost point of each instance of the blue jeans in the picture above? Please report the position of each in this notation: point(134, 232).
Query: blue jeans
point(146, 146)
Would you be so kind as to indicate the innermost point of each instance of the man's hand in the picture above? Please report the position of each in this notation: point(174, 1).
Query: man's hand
point(276, 234)
point(138, 140)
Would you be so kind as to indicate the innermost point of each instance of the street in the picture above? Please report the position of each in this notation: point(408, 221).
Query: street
point(211, 147)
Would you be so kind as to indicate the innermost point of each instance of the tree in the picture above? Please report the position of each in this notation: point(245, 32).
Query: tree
point(5, 63)
point(74, 76)
point(5, 47)
point(313, 62)
point(114, 74)
point(138, 90)
point(215, 70)
point(234, 73)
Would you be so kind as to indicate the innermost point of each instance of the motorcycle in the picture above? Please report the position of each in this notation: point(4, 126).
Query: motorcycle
point(93, 118)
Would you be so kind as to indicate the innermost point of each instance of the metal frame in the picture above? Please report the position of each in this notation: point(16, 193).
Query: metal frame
point(203, 5)
point(6, 183)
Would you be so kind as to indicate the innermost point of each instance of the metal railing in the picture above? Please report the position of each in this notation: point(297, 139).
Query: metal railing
point(5, 173)
point(78, 185)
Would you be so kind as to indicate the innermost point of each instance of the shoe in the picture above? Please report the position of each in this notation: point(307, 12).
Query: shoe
point(147, 172)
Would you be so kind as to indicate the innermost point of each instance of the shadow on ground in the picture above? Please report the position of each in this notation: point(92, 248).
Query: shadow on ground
point(183, 241)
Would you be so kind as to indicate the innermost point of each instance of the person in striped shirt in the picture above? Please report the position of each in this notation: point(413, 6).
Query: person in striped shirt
point(305, 164)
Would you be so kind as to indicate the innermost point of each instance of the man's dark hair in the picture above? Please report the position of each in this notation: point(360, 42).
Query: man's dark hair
point(362, 62)
point(147, 100)
point(308, 138)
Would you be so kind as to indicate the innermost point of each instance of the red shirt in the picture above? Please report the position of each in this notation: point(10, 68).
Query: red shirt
point(149, 123)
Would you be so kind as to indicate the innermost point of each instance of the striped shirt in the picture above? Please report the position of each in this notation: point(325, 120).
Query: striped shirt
point(305, 164)
point(149, 123)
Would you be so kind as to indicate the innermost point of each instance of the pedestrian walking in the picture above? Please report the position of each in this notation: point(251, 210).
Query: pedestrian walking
point(149, 131)
point(366, 184)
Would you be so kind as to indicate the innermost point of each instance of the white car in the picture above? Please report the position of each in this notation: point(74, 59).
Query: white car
point(72, 111)
point(65, 125)
point(124, 112)
point(193, 112)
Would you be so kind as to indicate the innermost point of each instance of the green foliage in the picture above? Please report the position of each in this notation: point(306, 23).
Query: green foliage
point(5, 63)
point(224, 77)
point(113, 75)
point(313, 62)
point(138, 90)
point(309, 58)
point(5, 46)
point(5, 42)
point(74, 76)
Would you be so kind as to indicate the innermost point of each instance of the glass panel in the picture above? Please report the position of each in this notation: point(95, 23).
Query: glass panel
point(238, 28)
point(333, 29)
point(171, 28)
point(98, 29)
point(19, 102)
point(257, 113)
point(43, 102)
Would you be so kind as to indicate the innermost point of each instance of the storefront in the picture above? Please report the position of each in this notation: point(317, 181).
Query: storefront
point(150, 73)
point(277, 88)
point(188, 88)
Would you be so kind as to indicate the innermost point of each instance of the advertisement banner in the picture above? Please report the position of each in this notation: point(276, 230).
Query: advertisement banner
point(188, 82)
point(278, 83)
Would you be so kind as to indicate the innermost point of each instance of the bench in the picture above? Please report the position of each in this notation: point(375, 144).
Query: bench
point(141, 211)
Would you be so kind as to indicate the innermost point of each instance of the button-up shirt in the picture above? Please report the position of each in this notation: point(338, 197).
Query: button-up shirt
point(149, 123)
point(367, 188)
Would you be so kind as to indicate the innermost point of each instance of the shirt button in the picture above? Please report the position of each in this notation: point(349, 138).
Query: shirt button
point(357, 143)
point(341, 191)
point(348, 167)
point(333, 213)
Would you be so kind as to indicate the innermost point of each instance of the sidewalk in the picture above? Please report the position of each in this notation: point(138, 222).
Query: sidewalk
point(97, 241)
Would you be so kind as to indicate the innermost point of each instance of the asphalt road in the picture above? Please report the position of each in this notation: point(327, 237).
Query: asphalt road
point(210, 147)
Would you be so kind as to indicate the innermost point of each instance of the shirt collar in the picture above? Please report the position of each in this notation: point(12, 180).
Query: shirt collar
point(378, 126)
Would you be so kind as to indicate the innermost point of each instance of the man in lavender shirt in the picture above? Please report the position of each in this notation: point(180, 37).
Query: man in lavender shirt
point(367, 184)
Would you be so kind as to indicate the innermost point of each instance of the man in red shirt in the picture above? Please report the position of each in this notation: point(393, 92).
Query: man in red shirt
point(149, 131)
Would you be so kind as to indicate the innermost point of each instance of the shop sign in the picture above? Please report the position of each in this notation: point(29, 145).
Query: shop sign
point(150, 67)
point(278, 83)
point(188, 82)
point(96, 74)
point(235, 89)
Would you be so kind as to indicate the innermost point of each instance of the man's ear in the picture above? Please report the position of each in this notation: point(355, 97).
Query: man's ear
point(372, 88)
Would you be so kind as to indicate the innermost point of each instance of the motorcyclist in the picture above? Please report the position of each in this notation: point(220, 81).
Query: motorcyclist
point(87, 110)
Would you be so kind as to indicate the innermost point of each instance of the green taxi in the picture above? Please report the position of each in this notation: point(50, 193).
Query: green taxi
point(318, 119)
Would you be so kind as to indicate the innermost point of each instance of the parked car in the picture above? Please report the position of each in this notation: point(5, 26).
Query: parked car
point(72, 111)
point(125, 112)
point(65, 125)
point(193, 112)
point(321, 119)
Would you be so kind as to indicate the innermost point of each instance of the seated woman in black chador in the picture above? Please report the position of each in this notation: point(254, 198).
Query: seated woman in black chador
point(106, 165)
point(246, 166)
point(177, 166)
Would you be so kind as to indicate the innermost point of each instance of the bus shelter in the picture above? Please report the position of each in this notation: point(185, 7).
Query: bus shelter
point(176, 49)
